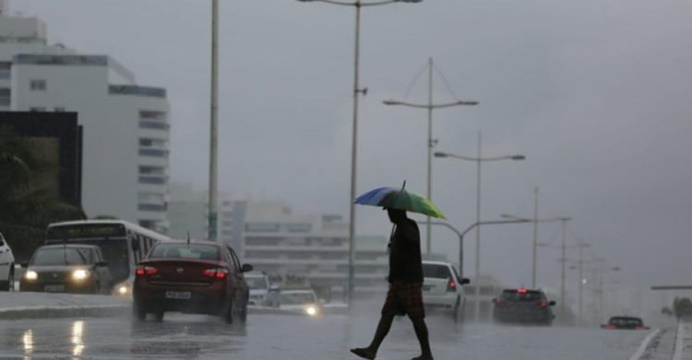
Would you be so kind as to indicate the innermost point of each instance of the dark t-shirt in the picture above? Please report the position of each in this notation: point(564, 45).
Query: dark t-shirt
point(405, 263)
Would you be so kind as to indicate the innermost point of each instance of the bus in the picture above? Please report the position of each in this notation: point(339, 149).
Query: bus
point(122, 243)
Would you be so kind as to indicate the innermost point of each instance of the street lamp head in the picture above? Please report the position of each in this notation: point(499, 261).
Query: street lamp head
point(306, 0)
point(518, 157)
point(409, 1)
point(440, 154)
point(389, 102)
point(468, 103)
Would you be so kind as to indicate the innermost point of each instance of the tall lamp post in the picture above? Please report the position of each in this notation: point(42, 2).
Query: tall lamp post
point(430, 106)
point(478, 160)
point(563, 261)
point(357, 91)
point(213, 140)
point(535, 220)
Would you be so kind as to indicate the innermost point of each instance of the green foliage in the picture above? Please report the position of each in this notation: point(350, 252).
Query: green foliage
point(28, 200)
point(682, 309)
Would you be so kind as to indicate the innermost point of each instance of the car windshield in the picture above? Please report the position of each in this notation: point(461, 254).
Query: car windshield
point(436, 271)
point(115, 253)
point(627, 322)
point(62, 256)
point(256, 282)
point(185, 251)
point(521, 296)
point(297, 298)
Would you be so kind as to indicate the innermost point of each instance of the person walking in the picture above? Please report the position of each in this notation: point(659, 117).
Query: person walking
point(405, 295)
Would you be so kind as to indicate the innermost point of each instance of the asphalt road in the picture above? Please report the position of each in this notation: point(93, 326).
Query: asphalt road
point(295, 337)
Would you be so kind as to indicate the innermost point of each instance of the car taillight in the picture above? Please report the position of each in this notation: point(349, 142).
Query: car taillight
point(542, 304)
point(216, 273)
point(146, 270)
point(451, 286)
point(610, 327)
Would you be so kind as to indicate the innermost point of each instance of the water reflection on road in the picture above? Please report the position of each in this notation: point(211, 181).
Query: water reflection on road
point(280, 337)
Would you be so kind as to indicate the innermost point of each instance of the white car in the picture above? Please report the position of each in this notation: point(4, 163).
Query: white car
point(443, 288)
point(259, 288)
point(302, 301)
point(6, 266)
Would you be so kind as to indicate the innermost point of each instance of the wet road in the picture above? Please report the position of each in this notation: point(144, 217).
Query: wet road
point(279, 337)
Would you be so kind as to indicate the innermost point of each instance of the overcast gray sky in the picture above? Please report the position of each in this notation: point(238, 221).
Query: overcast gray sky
point(596, 93)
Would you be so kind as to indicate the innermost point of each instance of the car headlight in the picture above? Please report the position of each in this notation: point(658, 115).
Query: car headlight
point(311, 310)
point(31, 275)
point(80, 274)
point(123, 290)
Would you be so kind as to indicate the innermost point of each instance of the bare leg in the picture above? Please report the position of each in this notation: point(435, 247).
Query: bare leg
point(382, 330)
point(422, 335)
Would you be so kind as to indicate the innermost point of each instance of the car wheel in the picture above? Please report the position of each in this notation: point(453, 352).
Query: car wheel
point(243, 311)
point(227, 312)
point(8, 285)
point(158, 315)
point(139, 310)
point(455, 311)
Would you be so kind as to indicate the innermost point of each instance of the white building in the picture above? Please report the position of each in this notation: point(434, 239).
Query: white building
point(311, 247)
point(188, 214)
point(126, 127)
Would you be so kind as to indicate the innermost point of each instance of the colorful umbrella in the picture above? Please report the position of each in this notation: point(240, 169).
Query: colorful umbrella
point(401, 199)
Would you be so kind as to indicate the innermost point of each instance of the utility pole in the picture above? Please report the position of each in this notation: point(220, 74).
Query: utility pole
point(535, 237)
point(430, 106)
point(563, 259)
point(214, 131)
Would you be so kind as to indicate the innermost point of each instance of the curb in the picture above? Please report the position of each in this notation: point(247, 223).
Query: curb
point(42, 312)
point(46, 312)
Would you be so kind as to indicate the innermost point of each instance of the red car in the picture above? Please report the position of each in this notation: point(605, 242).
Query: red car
point(199, 277)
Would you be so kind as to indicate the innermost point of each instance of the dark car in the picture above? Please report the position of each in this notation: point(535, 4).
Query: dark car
point(199, 277)
point(523, 306)
point(625, 323)
point(69, 268)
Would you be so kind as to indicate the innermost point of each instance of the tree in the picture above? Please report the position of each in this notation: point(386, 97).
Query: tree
point(28, 200)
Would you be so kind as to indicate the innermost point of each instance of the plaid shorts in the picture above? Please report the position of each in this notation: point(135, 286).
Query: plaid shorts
point(404, 299)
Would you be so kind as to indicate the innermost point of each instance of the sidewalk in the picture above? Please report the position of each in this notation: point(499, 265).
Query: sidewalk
point(683, 342)
point(20, 305)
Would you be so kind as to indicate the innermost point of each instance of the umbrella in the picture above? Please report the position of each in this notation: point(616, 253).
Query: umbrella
point(401, 199)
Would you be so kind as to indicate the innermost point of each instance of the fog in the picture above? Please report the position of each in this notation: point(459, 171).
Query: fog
point(595, 94)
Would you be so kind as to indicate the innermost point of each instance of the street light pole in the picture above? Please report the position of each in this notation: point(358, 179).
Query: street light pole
point(563, 259)
point(430, 106)
point(357, 91)
point(535, 238)
point(478, 160)
point(214, 130)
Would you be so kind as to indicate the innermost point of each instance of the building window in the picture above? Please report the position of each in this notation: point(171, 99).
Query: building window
point(37, 109)
point(152, 170)
point(149, 142)
point(152, 115)
point(5, 97)
point(37, 85)
point(153, 152)
point(153, 180)
point(144, 124)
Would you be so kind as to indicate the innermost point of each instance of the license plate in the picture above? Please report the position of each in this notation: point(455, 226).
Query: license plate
point(178, 295)
point(54, 288)
point(427, 287)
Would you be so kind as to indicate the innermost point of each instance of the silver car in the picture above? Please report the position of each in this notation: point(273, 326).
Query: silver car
point(6, 266)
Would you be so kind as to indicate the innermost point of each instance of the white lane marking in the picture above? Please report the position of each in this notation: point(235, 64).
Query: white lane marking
point(644, 345)
point(677, 355)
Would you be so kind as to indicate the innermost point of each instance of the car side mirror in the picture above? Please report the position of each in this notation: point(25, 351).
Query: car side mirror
point(246, 268)
point(465, 281)
point(552, 303)
point(102, 264)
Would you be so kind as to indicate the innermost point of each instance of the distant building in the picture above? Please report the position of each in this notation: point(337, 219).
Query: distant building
point(56, 138)
point(188, 214)
point(125, 125)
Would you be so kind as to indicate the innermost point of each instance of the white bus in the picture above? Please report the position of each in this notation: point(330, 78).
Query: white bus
point(122, 243)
